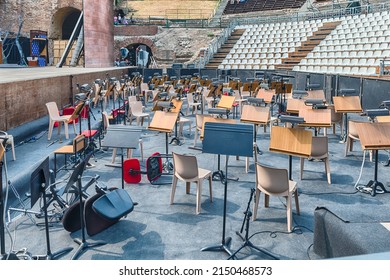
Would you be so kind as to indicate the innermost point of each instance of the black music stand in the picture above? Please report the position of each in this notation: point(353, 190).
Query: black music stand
point(83, 244)
point(123, 137)
point(215, 136)
point(39, 180)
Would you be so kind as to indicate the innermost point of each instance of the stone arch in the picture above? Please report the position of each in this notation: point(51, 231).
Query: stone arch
point(63, 22)
point(132, 44)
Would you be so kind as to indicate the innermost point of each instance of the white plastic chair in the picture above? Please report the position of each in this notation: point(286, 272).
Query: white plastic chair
point(186, 169)
point(54, 116)
point(136, 111)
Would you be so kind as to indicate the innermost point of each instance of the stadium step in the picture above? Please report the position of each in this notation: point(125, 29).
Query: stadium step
point(223, 51)
point(307, 46)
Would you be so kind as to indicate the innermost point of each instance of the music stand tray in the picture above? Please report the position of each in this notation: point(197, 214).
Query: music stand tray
point(217, 137)
point(123, 137)
point(226, 102)
point(291, 141)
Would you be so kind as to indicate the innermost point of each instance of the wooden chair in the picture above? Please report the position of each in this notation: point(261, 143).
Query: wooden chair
point(186, 169)
point(319, 151)
point(275, 182)
point(54, 116)
point(76, 149)
point(336, 118)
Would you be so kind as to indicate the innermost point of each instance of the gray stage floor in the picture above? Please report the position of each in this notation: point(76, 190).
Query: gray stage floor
point(156, 230)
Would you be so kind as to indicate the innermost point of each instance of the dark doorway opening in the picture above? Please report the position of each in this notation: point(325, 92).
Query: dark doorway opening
point(69, 24)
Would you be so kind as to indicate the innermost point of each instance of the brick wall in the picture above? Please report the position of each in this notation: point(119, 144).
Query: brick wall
point(22, 102)
point(135, 30)
point(98, 33)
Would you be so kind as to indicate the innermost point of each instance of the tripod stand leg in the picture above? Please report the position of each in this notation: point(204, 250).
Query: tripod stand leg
point(224, 246)
point(247, 242)
point(84, 245)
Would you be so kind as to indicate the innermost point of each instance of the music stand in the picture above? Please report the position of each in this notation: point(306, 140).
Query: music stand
point(255, 115)
point(268, 95)
point(374, 136)
point(217, 175)
point(177, 104)
point(226, 102)
point(217, 139)
point(316, 118)
point(39, 180)
point(123, 137)
point(346, 104)
point(291, 141)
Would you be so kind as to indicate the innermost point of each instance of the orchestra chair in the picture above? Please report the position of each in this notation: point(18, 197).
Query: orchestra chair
point(182, 121)
point(198, 127)
point(336, 118)
point(136, 111)
point(54, 116)
point(185, 168)
point(352, 137)
point(319, 151)
point(275, 182)
point(76, 149)
point(106, 124)
point(192, 104)
point(9, 141)
point(239, 99)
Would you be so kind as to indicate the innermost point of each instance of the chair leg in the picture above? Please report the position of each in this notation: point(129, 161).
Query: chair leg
point(266, 200)
point(302, 166)
point(347, 143)
point(196, 136)
point(59, 128)
point(173, 189)
point(114, 151)
point(256, 204)
point(198, 196)
point(66, 130)
point(289, 213)
point(51, 126)
point(211, 188)
point(188, 187)
point(327, 170)
point(246, 164)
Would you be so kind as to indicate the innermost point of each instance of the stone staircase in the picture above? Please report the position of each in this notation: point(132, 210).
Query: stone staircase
point(223, 51)
point(307, 46)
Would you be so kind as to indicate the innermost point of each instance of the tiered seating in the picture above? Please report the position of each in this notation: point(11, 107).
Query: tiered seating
point(356, 46)
point(262, 46)
point(233, 7)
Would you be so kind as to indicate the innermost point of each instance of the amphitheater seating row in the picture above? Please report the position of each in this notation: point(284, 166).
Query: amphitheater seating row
point(355, 46)
point(233, 7)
